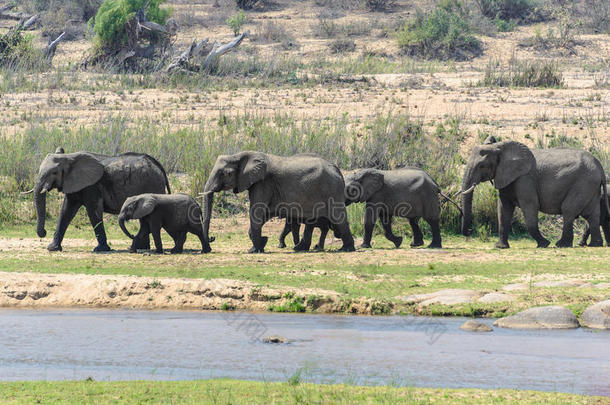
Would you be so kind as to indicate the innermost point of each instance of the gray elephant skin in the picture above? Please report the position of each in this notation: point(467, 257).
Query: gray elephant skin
point(178, 214)
point(554, 181)
point(303, 188)
point(604, 220)
point(408, 193)
point(303, 244)
point(101, 183)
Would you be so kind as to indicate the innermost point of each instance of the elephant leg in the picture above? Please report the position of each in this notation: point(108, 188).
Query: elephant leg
point(323, 232)
point(296, 228)
point(142, 239)
point(95, 211)
point(69, 208)
point(256, 226)
point(567, 234)
point(386, 222)
point(179, 239)
point(155, 229)
point(531, 222)
point(585, 236)
point(606, 228)
point(285, 231)
point(418, 236)
point(506, 208)
point(436, 233)
point(594, 225)
point(342, 229)
point(370, 218)
point(305, 243)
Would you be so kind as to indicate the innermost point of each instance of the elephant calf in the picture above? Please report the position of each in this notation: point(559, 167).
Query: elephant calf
point(176, 213)
point(604, 221)
point(408, 193)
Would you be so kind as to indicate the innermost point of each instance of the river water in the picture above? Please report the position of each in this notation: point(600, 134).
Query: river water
point(411, 351)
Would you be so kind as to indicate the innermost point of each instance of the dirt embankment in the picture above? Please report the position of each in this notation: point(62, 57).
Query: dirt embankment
point(32, 290)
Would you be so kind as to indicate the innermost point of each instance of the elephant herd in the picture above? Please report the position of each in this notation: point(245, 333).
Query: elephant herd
point(307, 189)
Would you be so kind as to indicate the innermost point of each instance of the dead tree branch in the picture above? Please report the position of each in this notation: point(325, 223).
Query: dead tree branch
point(188, 60)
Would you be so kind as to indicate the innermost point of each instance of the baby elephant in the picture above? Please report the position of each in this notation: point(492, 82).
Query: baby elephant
point(176, 213)
point(408, 193)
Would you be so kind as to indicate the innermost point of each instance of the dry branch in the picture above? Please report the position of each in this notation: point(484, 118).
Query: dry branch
point(52, 46)
point(187, 61)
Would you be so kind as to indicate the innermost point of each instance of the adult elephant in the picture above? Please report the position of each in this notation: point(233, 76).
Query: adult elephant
point(554, 181)
point(303, 188)
point(101, 183)
point(604, 220)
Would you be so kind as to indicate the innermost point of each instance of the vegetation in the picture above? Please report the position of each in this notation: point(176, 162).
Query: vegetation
point(249, 392)
point(506, 9)
point(236, 22)
point(379, 5)
point(246, 4)
point(17, 52)
point(113, 15)
point(444, 33)
point(523, 73)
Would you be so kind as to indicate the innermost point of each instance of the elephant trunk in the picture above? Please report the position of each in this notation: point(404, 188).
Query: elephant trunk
point(123, 227)
point(208, 200)
point(40, 200)
point(468, 192)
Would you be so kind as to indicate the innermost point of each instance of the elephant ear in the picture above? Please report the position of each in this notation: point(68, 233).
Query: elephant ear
point(144, 206)
point(514, 160)
point(252, 169)
point(83, 171)
point(372, 181)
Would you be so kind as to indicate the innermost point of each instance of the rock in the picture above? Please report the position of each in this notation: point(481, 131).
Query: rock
point(445, 297)
point(276, 339)
point(550, 317)
point(516, 287)
point(496, 297)
point(564, 283)
point(597, 316)
point(476, 326)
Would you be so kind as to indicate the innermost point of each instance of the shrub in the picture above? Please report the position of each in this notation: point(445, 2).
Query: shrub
point(597, 16)
point(444, 33)
point(342, 45)
point(523, 73)
point(379, 5)
point(246, 4)
point(506, 9)
point(236, 22)
point(326, 27)
point(113, 15)
point(505, 26)
point(18, 52)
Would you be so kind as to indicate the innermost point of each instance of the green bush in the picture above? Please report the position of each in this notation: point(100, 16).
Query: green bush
point(236, 22)
point(18, 52)
point(443, 33)
point(112, 16)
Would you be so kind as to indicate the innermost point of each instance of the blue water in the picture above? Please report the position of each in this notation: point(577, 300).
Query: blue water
point(428, 352)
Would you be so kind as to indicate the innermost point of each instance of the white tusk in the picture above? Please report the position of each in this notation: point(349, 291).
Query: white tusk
point(44, 190)
point(27, 192)
point(470, 190)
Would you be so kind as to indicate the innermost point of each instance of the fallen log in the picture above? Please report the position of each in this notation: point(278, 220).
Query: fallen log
point(187, 60)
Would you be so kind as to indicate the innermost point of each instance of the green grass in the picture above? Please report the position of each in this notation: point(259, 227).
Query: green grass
point(382, 274)
point(248, 392)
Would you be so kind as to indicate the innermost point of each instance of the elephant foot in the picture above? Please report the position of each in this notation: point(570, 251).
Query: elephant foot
point(563, 244)
point(54, 247)
point(501, 245)
point(256, 250)
point(349, 248)
point(365, 246)
point(582, 243)
point(281, 245)
point(543, 243)
point(597, 243)
point(318, 248)
point(417, 243)
point(435, 245)
point(175, 251)
point(158, 251)
point(102, 248)
point(397, 242)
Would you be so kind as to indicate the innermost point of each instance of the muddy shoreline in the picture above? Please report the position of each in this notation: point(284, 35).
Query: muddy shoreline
point(36, 290)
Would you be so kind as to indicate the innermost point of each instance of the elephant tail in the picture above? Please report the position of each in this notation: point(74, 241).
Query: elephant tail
point(446, 198)
point(605, 196)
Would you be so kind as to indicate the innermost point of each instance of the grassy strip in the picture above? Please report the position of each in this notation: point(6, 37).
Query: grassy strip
point(382, 274)
point(250, 392)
